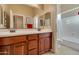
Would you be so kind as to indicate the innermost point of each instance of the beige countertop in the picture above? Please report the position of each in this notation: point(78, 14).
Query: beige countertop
point(23, 32)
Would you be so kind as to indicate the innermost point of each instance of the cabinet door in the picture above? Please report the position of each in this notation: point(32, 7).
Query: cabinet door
point(33, 37)
point(32, 44)
point(20, 49)
point(47, 44)
point(33, 47)
point(41, 45)
point(6, 50)
point(33, 52)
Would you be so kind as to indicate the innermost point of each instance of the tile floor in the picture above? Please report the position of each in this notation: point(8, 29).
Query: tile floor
point(64, 50)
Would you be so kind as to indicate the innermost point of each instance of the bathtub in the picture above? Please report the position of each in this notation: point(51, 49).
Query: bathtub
point(70, 42)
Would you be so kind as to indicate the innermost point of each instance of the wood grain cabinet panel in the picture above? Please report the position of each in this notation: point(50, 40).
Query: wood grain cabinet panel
point(18, 39)
point(33, 52)
point(6, 41)
point(44, 42)
point(26, 45)
point(47, 44)
point(20, 49)
point(43, 35)
point(13, 45)
point(12, 40)
point(33, 37)
point(6, 50)
point(20, 45)
point(32, 44)
point(41, 45)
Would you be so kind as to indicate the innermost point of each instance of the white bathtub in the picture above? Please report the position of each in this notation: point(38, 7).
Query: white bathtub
point(71, 42)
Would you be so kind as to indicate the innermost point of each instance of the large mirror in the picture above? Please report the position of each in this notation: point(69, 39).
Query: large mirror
point(1, 18)
point(21, 17)
point(4, 19)
point(41, 21)
point(23, 22)
point(16, 18)
point(45, 20)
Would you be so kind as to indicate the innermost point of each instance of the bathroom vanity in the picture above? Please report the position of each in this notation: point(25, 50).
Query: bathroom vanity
point(22, 41)
point(26, 44)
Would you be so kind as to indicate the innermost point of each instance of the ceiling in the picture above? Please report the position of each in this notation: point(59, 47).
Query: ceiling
point(39, 6)
point(34, 5)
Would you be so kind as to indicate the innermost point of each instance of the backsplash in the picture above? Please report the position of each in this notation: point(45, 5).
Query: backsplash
point(4, 30)
point(19, 30)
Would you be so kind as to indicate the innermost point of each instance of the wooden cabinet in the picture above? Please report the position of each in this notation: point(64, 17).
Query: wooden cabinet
point(5, 50)
point(47, 44)
point(33, 52)
point(13, 45)
point(6, 41)
point(44, 42)
point(33, 44)
point(20, 45)
point(20, 49)
point(41, 46)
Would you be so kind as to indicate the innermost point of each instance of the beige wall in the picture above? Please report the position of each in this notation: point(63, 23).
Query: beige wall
point(44, 8)
point(20, 9)
point(48, 7)
point(54, 26)
point(38, 12)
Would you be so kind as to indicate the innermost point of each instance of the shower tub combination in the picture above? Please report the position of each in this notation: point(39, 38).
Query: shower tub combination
point(70, 42)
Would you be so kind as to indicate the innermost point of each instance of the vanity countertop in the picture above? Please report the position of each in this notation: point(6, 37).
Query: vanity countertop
point(23, 32)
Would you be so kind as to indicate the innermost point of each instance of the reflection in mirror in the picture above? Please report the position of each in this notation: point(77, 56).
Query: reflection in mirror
point(36, 22)
point(4, 19)
point(29, 23)
point(21, 22)
point(1, 15)
point(41, 21)
point(1, 19)
point(18, 22)
point(47, 22)
point(10, 19)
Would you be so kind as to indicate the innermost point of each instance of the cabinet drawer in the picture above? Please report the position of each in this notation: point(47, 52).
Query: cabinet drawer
point(33, 52)
point(6, 41)
point(32, 44)
point(32, 37)
point(43, 35)
point(18, 39)
point(12, 40)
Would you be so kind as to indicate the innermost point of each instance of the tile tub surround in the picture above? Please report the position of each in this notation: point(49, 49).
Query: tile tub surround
point(7, 33)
